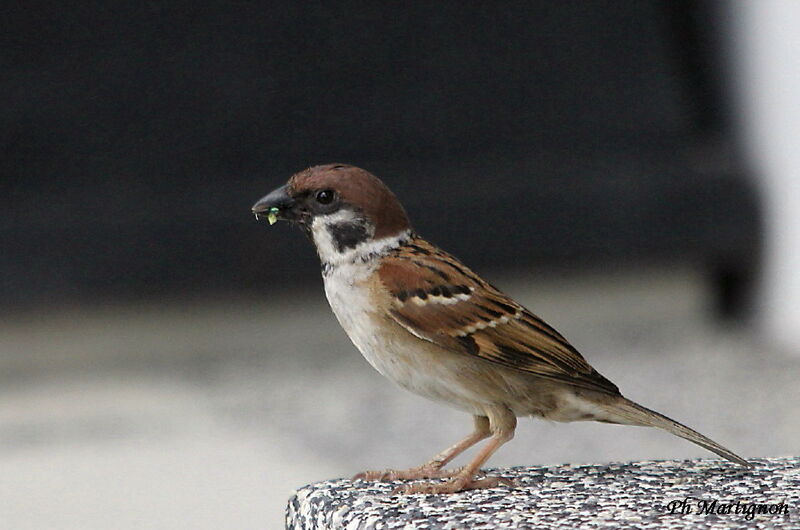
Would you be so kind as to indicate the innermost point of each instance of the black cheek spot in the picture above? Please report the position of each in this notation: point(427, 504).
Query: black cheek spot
point(347, 235)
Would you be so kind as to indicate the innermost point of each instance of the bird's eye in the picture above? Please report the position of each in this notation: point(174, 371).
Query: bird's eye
point(325, 196)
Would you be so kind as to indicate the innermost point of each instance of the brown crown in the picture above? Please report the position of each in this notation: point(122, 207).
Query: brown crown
point(358, 188)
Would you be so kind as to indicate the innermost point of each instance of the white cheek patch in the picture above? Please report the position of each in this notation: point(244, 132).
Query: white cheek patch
point(323, 240)
point(363, 252)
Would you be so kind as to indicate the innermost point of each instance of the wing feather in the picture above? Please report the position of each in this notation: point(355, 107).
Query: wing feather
point(437, 298)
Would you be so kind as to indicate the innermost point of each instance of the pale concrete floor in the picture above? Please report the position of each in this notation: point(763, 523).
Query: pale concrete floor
point(206, 414)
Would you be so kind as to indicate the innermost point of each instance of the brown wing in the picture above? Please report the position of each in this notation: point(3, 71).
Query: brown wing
point(437, 298)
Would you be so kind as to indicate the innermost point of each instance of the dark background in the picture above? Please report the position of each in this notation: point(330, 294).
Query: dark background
point(136, 136)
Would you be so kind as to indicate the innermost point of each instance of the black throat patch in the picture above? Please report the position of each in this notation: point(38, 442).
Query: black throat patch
point(348, 235)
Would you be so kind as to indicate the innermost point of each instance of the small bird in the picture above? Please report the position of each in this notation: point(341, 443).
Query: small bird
point(431, 325)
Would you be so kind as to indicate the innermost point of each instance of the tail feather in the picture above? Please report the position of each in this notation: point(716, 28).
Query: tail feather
point(628, 412)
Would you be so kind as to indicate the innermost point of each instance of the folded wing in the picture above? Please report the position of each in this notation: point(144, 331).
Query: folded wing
point(438, 299)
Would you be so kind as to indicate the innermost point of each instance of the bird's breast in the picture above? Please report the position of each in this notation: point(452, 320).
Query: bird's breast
point(350, 295)
point(416, 365)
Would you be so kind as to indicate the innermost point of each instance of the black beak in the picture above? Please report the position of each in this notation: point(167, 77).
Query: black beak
point(275, 203)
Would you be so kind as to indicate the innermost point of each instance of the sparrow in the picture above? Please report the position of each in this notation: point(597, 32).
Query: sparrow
point(431, 325)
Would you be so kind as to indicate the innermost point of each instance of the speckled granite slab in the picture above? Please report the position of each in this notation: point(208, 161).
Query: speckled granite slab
point(664, 494)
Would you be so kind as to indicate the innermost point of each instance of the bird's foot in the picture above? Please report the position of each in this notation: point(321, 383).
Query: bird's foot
point(415, 473)
point(458, 483)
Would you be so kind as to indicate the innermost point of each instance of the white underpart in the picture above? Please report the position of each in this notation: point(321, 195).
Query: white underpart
point(347, 287)
point(348, 292)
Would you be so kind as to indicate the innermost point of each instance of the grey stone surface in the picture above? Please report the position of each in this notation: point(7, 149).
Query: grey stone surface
point(647, 494)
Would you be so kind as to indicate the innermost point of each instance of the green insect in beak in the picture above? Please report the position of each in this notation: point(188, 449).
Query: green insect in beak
point(272, 215)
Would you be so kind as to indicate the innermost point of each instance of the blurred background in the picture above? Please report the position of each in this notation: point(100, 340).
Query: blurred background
point(627, 170)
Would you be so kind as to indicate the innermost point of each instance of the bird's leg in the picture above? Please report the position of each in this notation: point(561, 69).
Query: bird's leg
point(433, 468)
point(502, 424)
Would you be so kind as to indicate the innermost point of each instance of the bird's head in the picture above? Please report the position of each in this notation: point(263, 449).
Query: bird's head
point(340, 207)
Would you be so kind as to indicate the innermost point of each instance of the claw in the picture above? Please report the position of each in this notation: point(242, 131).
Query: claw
point(380, 476)
point(455, 485)
point(459, 481)
point(415, 473)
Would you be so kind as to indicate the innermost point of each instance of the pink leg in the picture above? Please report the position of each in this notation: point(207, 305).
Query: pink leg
point(502, 423)
point(433, 469)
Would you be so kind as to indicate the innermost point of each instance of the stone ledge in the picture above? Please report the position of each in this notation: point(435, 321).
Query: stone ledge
point(620, 495)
